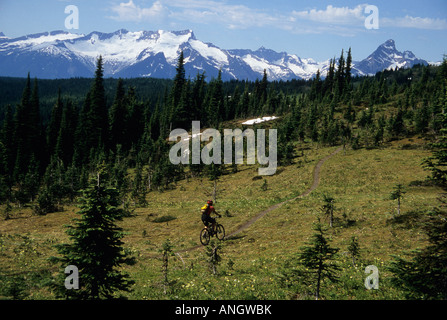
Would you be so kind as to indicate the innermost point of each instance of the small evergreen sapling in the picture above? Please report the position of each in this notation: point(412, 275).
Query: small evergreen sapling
point(328, 208)
point(166, 251)
point(398, 194)
point(354, 249)
point(96, 248)
point(318, 259)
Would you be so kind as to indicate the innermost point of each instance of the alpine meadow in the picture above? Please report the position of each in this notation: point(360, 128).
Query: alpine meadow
point(359, 190)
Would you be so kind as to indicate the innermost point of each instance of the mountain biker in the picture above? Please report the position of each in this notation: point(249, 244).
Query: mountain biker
point(207, 210)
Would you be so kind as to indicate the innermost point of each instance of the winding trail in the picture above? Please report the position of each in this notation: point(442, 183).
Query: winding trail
point(315, 182)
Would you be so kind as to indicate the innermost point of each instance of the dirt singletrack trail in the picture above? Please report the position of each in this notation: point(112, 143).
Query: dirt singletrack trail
point(315, 182)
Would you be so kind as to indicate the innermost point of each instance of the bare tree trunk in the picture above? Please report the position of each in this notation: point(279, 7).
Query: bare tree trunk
point(165, 272)
point(331, 216)
point(317, 292)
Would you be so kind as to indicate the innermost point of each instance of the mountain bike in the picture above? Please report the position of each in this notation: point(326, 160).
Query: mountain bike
point(208, 232)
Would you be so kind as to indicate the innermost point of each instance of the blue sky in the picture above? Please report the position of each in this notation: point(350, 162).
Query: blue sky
point(309, 28)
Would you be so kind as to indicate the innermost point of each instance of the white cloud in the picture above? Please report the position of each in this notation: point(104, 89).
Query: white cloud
point(333, 15)
point(131, 12)
point(232, 16)
point(197, 11)
point(415, 23)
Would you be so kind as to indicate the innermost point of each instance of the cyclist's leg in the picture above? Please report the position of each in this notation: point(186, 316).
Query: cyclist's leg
point(205, 220)
point(213, 224)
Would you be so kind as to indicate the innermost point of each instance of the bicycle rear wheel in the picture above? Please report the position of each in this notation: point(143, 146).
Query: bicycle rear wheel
point(220, 232)
point(205, 236)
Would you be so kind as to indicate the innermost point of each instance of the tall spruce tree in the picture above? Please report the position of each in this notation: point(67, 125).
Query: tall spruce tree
point(93, 126)
point(98, 108)
point(21, 132)
point(66, 136)
point(197, 97)
point(55, 123)
point(176, 93)
point(348, 69)
point(437, 163)
point(118, 117)
point(36, 136)
point(215, 101)
point(340, 76)
point(7, 139)
point(328, 84)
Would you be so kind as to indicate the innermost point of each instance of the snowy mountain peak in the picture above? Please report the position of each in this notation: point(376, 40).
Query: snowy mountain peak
point(61, 54)
point(387, 57)
point(389, 44)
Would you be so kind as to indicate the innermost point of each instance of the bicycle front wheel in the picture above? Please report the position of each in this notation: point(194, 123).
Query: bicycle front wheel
point(220, 232)
point(205, 236)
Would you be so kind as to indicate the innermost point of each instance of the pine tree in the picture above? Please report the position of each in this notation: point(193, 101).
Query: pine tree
point(176, 92)
point(262, 91)
point(425, 275)
point(8, 142)
point(98, 108)
point(397, 194)
point(244, 103)
point(354, 249)
point(340, 76)
point(437, 163)
point(5, 186)
point(93, 125)
point(22, 132)
point(328, 208)
point(135, 121)
point(118, 118)
point(36, 138)
point(55, 124)
point(328, 84)
point(65, 142)
point(348, 70)
point(139, 189)
point(315, 90)
point(96, 248)
point(166, 251)
point(317, 257)
point(215, 101)
point(197, 98)
point(84, 137)
point(184, 111)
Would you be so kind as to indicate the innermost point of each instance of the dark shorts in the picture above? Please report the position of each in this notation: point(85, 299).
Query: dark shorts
point(206, 219)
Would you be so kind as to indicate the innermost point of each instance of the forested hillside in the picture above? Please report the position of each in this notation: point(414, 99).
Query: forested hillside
point(51, 156)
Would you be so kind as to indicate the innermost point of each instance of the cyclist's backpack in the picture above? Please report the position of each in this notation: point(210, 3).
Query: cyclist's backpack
point(204, 209)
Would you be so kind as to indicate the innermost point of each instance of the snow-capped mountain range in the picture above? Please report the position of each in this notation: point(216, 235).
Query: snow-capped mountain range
point(126, 54)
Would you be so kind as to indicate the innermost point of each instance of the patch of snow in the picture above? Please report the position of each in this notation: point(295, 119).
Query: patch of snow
point(47, 39)
point(259, 120)
point(209, 51)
